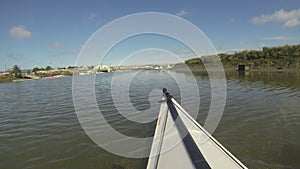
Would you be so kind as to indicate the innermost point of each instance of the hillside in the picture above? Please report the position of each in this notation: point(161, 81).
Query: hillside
point(269, 57)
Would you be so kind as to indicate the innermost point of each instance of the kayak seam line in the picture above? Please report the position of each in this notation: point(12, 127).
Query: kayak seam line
point(188, 138)
point(161, 138)
point(213, 139)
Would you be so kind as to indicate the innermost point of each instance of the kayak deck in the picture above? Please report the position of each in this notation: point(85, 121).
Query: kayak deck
point(180, 142)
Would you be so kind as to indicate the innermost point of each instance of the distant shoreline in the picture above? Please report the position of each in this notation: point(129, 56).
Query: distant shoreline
point(198, 68)
point(182, 68)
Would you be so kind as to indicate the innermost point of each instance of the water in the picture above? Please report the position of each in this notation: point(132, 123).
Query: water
point(39, 126)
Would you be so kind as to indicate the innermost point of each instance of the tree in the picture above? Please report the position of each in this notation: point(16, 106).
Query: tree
point(34, 70)
point(90, 67)
point(16, 70)
point(48, 68)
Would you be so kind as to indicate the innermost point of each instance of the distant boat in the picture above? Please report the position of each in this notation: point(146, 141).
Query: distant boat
point(157, 67)
point(170, 66)
point(193, 146)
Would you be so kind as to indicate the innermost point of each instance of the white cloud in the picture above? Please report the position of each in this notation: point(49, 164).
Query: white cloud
point(86, 47)
point(57, 45)
point(292, 23)
point(14, 56)
point(275, 38)
point(231, 50)
point(262, 45)
point(19, 32)
point(65, 52)
point(288, 18)
point(181, 13)
point(231, 21)
point(92, 16)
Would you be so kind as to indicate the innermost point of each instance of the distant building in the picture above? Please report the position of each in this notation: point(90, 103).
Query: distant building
point(5, 74)
point(103, 68)
point(170, 66)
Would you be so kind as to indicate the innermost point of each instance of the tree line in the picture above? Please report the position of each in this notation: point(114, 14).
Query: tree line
point(17, 72)
point(279, 57)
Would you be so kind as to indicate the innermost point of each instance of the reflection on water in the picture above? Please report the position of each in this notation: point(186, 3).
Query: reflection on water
point(279, 78)
point(39, 128)
point(263, 110)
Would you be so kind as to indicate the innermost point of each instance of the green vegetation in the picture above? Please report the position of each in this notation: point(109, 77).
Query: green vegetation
point(269, 57)
point(36, 69)
point(15, 74)
point(66, 73)
point(16, 71)
point(48, 68)
point(72, 67)
point(49, 71)
point(7, 79)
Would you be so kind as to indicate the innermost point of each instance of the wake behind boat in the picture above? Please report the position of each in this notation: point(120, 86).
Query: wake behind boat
point(181, 142)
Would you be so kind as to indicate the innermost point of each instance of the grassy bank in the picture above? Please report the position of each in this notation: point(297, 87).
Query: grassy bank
point(7, 79)
point(269, 58)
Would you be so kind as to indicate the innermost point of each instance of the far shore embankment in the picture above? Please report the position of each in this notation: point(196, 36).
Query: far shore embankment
point(231, 69)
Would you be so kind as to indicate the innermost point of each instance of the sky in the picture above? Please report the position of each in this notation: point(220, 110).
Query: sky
point(36, 33)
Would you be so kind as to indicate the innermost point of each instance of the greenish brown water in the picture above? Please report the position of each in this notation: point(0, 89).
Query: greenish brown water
point(39, 127)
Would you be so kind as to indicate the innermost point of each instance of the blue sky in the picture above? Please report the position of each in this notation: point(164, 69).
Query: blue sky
point(35, 33)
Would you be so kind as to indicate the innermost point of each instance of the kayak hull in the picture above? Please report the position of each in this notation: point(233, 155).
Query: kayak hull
point(181, 142)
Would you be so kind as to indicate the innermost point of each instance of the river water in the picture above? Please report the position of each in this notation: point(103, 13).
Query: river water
point(39, 126)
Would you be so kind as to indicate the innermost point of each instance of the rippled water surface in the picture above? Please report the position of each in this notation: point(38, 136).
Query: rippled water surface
point(39, 127)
